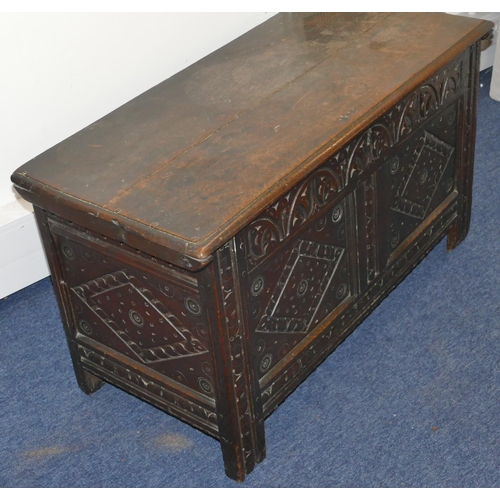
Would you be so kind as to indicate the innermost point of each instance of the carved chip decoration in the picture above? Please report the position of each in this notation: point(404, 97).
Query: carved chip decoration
point(419, 184)
point(303, 283)
point(141, 322)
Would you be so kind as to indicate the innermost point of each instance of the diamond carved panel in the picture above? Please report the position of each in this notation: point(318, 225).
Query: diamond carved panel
point(417, 188)
point(301, 288)
point(138, 319)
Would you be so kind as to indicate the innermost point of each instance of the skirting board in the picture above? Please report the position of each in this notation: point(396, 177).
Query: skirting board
point(22, 259)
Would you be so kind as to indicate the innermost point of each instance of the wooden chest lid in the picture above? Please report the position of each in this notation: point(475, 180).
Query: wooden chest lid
point(183, 167)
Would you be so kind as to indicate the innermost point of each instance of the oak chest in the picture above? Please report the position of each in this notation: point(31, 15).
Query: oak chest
point(214, 239)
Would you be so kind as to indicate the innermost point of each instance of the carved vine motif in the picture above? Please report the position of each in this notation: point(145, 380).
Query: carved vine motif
point(292, 211)
point(365, 150)
point(321, 187)
point(139, 310)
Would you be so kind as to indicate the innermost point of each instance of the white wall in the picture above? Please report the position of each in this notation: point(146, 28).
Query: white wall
point(61, 72)
point(487, 55)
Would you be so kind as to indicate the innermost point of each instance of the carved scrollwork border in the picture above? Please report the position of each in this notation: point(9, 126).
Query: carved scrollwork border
point(292, 211)
point(320, 188)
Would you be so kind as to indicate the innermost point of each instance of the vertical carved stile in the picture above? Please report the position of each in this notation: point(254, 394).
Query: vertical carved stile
point(466, 148)
point(370, 229)
point(470, 136)
point(87, 382)
point(239, 407)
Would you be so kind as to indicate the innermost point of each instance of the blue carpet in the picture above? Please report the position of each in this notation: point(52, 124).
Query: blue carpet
point(410, 399)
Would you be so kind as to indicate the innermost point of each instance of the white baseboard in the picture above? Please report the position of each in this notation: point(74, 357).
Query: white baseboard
point(22, 259)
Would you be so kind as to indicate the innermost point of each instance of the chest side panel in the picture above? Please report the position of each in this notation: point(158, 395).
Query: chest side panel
point(137, 319)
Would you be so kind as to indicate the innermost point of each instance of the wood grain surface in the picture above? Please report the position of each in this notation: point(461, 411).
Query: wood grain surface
point(192, 161)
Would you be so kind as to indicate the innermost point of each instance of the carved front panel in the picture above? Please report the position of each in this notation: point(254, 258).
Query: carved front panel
point(155, 320)
point(331, 236)
point(416, 180)
point(295, 288)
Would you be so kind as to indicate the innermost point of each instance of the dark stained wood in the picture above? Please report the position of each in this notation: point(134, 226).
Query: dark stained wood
point(239, 409)
point(213, 240)
point(193, 160)
point(87, 382)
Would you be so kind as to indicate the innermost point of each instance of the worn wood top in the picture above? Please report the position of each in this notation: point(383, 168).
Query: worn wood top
point(193, 160)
